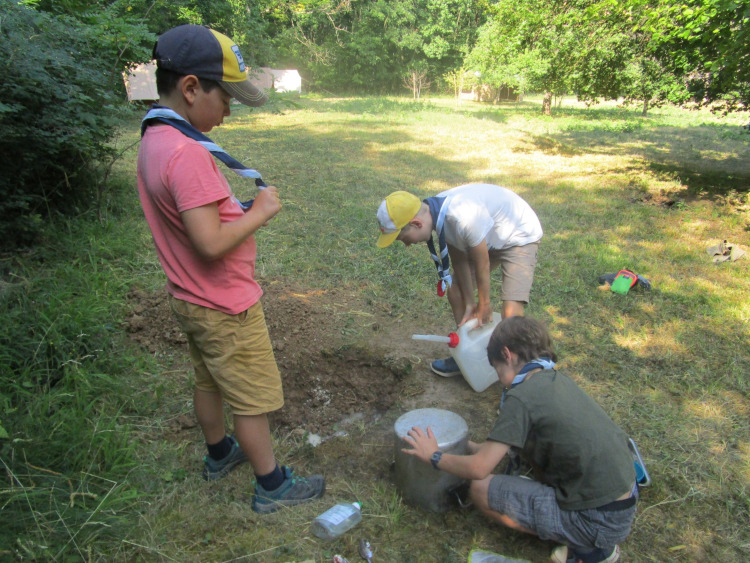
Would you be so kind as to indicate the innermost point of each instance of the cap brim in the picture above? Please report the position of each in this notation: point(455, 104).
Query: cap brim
point(245, 93)
point(386, 239)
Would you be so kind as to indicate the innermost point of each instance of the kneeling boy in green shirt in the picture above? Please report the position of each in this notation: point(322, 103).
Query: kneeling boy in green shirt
point(584, 491)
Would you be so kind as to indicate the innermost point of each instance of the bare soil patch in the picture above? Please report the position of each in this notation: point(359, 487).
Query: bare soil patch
point(329, 378)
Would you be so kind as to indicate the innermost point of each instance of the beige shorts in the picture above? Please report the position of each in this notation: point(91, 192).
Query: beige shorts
point(232, 354)
point(518, 264)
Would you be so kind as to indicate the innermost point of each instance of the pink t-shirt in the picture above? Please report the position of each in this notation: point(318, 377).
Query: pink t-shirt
point(176, 173)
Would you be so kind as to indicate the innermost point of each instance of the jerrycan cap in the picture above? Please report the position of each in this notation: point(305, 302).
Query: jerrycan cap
point(454, 340)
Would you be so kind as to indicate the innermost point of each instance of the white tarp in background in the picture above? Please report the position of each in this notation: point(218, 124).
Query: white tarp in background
point(286, 80)
point(140, 82)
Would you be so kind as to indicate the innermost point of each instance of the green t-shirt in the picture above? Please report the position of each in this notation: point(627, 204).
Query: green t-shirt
point(570, 441)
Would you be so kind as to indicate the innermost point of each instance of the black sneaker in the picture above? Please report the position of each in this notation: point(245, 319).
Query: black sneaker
point(294, 490)
point(213, 470)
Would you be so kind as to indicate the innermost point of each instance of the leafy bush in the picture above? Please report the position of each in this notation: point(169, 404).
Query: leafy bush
point(61, 99)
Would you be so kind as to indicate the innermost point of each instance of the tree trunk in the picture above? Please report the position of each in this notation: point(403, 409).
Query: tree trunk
point(547, 103)
point(645, 107)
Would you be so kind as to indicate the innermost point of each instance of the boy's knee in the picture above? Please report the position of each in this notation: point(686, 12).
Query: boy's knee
point(512, 309)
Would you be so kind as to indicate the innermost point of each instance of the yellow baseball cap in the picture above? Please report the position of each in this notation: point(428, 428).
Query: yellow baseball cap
point(394, 214)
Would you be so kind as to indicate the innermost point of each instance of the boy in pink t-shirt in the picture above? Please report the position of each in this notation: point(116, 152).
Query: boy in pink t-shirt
point(204, 240)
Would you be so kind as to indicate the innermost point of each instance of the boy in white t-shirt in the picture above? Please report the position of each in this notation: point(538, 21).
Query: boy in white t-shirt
point(479, 227)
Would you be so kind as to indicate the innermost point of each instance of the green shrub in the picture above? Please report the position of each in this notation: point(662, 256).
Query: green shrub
point(61, 100)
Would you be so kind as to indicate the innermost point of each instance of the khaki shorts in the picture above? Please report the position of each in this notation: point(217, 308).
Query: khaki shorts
point(232, 354)
point(518, 264)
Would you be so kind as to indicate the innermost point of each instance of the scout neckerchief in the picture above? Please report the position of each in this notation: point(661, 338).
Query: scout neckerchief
point(163, 114)
point(544, 363)
point(438, 207)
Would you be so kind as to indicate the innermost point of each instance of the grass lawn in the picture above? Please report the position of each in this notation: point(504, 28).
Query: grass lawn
point(612, 189)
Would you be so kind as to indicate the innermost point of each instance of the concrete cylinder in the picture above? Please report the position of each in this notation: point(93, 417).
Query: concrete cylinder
point(418, 482)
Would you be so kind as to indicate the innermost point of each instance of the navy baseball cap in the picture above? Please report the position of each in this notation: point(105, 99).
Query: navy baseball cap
point(198, 50)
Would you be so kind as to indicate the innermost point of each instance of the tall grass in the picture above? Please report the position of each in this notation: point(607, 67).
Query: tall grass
point(67, 378)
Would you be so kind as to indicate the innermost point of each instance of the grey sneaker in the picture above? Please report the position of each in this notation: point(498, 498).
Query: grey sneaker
point(213, 470)
point(294, 490)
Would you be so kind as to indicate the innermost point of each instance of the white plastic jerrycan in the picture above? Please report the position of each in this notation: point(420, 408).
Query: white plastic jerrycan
point(471, 353)
point(468, 346)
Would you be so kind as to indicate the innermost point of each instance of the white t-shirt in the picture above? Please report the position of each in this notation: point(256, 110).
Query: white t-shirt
point(484, 211)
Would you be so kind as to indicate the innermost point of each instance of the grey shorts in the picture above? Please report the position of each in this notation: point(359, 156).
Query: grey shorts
point(533, 505)
point(518, 264)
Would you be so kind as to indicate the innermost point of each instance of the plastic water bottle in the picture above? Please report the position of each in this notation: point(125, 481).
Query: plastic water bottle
point(337, 520)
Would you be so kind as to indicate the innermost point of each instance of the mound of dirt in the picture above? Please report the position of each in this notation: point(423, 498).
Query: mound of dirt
point(325, 379)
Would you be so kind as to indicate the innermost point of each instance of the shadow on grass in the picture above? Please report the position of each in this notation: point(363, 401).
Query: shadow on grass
point(708, 159)
point(709, 182)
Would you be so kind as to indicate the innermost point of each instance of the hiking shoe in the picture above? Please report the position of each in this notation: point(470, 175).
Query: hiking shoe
point(294, 490)
point(560, 555)
point(213, 470)
point(445, 368)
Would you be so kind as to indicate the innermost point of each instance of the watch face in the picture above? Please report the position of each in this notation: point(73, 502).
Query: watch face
point(435, 459)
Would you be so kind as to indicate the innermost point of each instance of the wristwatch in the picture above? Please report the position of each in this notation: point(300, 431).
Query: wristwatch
point(435, 458)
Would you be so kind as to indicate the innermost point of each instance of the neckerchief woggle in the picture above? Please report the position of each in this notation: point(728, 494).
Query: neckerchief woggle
point(438, 207)
point(544, 363)
point(163, 114)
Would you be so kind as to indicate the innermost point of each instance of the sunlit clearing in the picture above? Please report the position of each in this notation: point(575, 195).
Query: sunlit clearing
point(646, 345)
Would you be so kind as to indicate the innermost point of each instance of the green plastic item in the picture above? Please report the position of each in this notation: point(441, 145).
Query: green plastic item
point(624, 280)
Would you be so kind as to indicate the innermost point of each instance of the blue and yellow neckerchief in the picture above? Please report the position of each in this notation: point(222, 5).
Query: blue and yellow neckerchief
point(163, 114)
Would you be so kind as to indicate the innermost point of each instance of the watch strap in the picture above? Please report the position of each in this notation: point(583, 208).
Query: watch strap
point(435, 459)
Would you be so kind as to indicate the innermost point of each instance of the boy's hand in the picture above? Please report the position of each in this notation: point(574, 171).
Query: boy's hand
point(423, 444)
point(484, 313)
point(469, 314)
point(267, 203)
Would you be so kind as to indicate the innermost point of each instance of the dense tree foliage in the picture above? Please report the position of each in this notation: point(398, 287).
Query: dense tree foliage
point(593, 48)
point(60, 104)
point(708, 43)
point(371, 45)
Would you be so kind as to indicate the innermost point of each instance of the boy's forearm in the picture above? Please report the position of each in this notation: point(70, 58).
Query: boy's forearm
point(462, 274)
point(480, 261)
point(462, 466)
point(213, 238)
point(474, 466)
point(476, 262)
